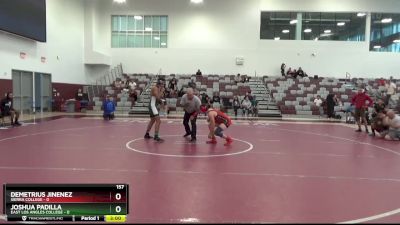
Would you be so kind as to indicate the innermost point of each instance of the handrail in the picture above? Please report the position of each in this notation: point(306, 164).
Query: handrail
point(105, 80)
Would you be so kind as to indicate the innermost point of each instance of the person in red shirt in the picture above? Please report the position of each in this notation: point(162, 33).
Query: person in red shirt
point(218, 122)
point(381, 82)
point(359, 100)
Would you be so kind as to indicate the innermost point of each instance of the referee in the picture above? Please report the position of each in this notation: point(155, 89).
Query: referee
point(191, 105)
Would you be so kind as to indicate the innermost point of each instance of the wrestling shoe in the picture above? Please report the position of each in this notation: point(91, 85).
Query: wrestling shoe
point(229, 141)
point(147, 136)
point(213, 141)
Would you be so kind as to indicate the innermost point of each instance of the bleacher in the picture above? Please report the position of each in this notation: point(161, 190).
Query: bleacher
point(276, 95)
point(296, 96)
point(124, 102)
point(224, 85)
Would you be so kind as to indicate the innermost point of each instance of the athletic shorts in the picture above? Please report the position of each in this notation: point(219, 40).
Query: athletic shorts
point(394, 133)
point(227, 123)
point(360, 113)
point(154, 112)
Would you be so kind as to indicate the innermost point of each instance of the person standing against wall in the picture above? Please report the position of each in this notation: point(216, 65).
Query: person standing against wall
point(283, 66)
point(330, 105)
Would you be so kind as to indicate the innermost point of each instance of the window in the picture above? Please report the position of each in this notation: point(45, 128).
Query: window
point(139, 31)
point(385, 32)
point(313, 26)
point(278, 25)
point(333, 26)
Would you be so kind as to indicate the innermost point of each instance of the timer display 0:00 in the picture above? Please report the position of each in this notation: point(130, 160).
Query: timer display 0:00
point(115, 218)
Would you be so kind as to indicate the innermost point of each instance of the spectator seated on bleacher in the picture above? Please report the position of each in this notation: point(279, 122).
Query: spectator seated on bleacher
point(208, 102)
point(199, 73)
point(108, 108)
point(237, 78)
point(216, 98)
point(172, 87)
point(7, 109)
point(245, 79)
point(301, 73)
point(246, 106)
point(118, 83)
point(291, 72)
point(203, 97)
point(236, 105)
point(318, 102)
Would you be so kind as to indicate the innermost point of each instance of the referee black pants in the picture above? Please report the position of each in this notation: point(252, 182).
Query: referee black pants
point(186, 119)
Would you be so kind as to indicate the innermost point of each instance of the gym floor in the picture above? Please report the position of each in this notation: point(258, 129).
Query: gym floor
point(275, 171)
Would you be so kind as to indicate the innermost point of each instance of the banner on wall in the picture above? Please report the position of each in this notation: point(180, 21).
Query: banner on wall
point(22, 55)
point(240, 60)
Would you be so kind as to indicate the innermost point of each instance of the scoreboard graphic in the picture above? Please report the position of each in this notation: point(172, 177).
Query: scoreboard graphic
point(66, 202)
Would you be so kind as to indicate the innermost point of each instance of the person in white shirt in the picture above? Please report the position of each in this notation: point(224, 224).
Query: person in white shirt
point(132, 85)
point(318, 103)
point(393, 121)
point(246, 105)
point(390, 91)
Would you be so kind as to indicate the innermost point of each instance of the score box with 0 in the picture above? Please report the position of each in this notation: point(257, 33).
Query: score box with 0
point(66, 199)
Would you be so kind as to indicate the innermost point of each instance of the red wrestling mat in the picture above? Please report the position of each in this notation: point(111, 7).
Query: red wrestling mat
point(273, 172)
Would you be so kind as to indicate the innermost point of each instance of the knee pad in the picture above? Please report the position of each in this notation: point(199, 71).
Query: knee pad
point(218, 132)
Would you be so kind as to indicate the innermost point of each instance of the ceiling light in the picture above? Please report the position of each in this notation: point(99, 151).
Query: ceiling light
point(196, 1)
point(293, 21)
point(361, 14)
point(156, 38)
point(386, 20)
point(277, 38)
point(148, 29)
point(307, 30)
point(285, 31)
point(163, 44)
point(377, 47)
point(326, 35)
point(138, 17)
point(396, 41)
point(327, 31)
point(341, 24)
point(120, 1)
